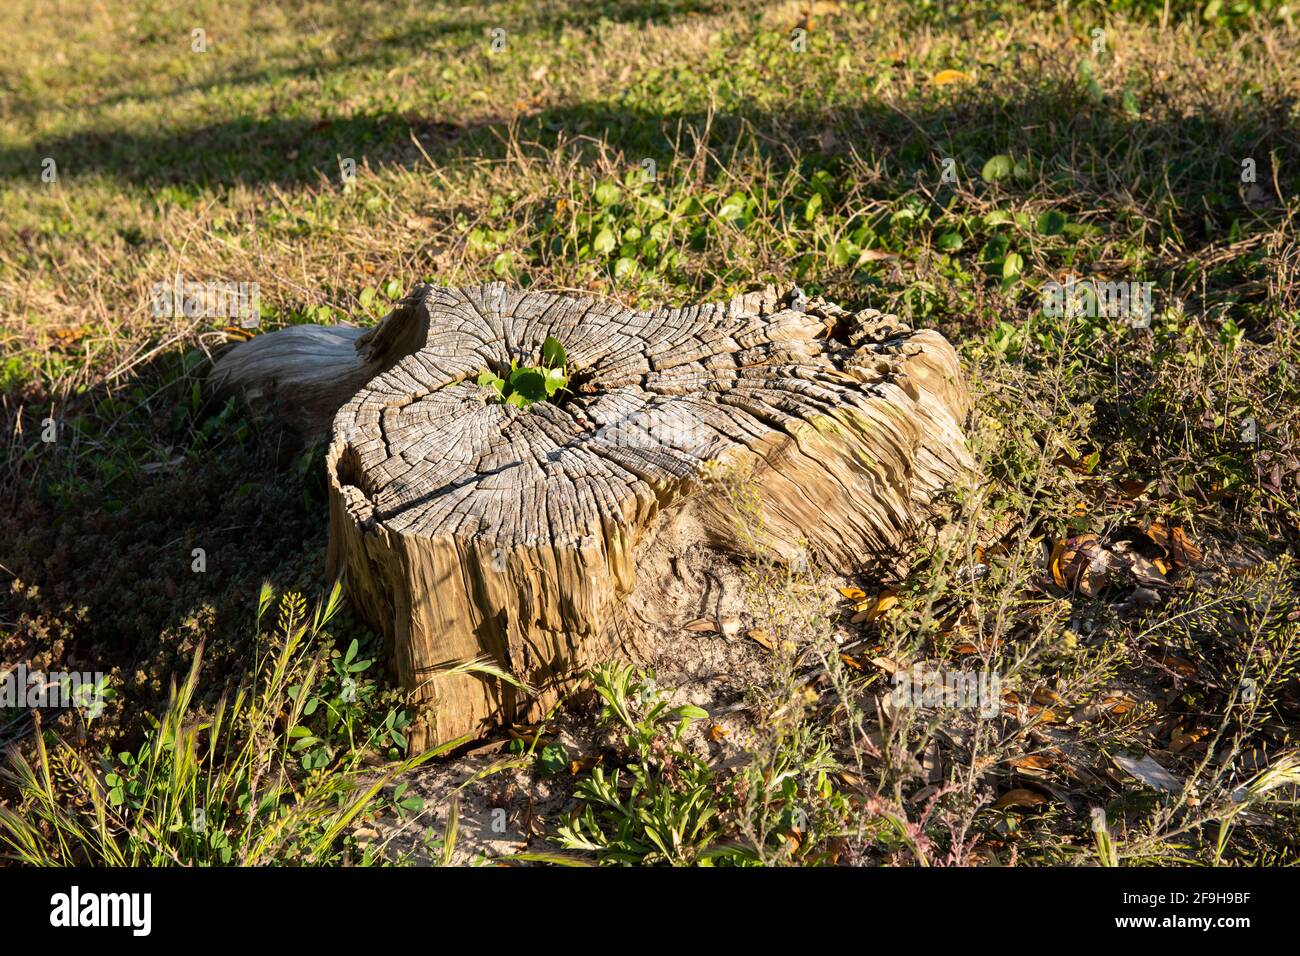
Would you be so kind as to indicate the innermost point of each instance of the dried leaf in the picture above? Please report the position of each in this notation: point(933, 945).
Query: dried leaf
point(701, 625)
point(1184, 739)
point(872, 609)
point(1131, 487)
point(888, 665)
point(1184, 551)
point(583, 764)
point(1020, 797)
point(1149, 772)
point(1081, 563)
point(1037, 762)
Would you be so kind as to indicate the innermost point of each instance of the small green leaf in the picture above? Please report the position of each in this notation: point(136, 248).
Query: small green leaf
point(605, 242)
point(553, 355)
point(1051, 223)
point(555, 380)
point(998, 167)
point(813, 208)
point(528, 382)
point(689, 712)
point(607, 194)
point(553, 759)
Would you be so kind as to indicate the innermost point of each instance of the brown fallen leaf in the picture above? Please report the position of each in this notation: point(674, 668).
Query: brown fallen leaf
point(1147, 573)
point(1179, 665)
point(527, 734)
point(583, 764)
point(875, 255)
point(1184, 551)
point(1113, 705)
point(1033, 762)
point(1054, 563)
point(888, 665)
point(1020, 797)
point(1182, 739)
point(701, 625)
point(852, 593)
point(1081, 563)
point(1132, 487)
point(63, 338)
point(1158, 532)
point(1045, 714)
point(760, 637)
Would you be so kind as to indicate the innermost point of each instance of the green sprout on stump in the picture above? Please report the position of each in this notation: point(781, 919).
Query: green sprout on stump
point(527, 384)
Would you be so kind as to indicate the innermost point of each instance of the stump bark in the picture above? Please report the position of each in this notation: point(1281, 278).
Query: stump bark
point(472, 530)
point(300, 375)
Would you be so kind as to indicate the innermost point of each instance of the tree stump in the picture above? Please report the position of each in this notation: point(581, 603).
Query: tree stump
point(472, 530)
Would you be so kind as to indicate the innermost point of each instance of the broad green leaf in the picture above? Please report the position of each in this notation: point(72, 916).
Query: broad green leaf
point(553, 355)
point(998, 167)
point(607, 194)
point(1051, 223)
point(529, 383)
point(605, 242)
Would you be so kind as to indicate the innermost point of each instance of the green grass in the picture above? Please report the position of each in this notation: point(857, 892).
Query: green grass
point(672, 152)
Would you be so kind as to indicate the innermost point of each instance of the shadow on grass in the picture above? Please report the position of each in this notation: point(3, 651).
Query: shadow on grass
point(1179, 170)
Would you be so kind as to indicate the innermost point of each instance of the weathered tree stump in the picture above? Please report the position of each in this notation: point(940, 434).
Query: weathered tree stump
point(471, 529)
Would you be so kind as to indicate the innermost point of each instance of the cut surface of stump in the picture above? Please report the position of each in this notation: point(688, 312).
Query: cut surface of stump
point(468, 529)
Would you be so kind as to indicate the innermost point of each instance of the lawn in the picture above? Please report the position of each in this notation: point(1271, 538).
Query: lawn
point(1125, 565)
